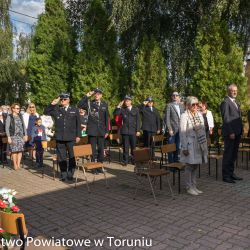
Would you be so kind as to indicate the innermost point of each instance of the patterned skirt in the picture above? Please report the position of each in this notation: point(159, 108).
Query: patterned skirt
point(17, 144)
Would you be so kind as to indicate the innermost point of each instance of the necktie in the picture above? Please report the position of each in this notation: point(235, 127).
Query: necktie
point(235, 103)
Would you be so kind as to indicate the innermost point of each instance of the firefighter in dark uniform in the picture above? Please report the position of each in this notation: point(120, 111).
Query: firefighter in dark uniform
point(130, 126)
point(151, 123)
point(98, 119)
point(67, 132)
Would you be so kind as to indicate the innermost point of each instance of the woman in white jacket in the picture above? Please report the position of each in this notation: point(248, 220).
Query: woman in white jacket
point(193, 143)
point(208, 118)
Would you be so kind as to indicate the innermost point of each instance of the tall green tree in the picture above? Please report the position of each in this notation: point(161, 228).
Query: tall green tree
point(219, 62)
point(51, 54)
point(7, 94)
point(21, 66)
point(98, 63)
point(150, 75)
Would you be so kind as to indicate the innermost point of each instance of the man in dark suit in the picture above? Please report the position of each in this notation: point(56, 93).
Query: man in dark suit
point(3, 146)
point(151, 123)
point(130, 126)
point(67, 132)
point(172, 120)
point(98, 119)
point(231, 131)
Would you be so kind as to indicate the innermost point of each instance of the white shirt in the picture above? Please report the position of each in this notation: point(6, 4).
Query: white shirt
point(233, 101)
point(66, 108)
point(177, 106)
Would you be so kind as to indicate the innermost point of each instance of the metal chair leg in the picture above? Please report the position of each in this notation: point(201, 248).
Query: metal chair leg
point(54, 171)
point(152, 190)
point(173, 177)
point(109, 155)
point(76, 176)
point(170, 188)
point(209, 169)
point(106, 182)
point(84, 172)
point(136, 188)
point(216, 169)
point(199, 170)
point(247, 159)
point(179, 181)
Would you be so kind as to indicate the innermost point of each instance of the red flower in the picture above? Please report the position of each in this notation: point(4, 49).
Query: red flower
point(1, 231)
point(2, 204)
point(15, 209)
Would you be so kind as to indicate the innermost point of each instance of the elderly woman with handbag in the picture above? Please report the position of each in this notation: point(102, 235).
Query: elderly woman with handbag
point(193, 142)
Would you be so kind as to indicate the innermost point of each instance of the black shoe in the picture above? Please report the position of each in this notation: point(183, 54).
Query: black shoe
point(63, 179)
point(94, 171)
point(99, 170)
point(70, 178)
point(38, 165)
point(228, 180)
point(124, 164)
point(236, 178)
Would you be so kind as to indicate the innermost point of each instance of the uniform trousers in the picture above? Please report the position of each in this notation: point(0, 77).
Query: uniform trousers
point(64, 150)
point(97, 144)
point(128, 140)
point(148, 141)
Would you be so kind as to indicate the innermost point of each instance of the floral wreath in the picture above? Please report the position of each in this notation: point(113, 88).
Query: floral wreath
point(7, 205)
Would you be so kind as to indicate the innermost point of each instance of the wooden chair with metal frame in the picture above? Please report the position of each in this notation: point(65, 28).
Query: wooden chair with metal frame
point(220, 143)
point(244, 148)
point(145, 167)
point(50, 146)
point(14, 224)
point(30, 150)
point(215, 155)
point(83, 140)
point(115, 143)
point(158, 141)
point(80, 153)
point(175, 166)
point(7, 152)
point(114, 129)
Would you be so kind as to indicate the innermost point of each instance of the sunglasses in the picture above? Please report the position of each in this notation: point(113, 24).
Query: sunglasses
point(195, 104)
point(63, 99)
point(32, 107)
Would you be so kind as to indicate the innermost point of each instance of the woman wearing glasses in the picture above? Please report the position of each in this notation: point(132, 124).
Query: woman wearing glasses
point(193, 143)
point(16, 133)
point(29, 118)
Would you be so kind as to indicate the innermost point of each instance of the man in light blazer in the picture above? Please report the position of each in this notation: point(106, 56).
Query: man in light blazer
point(172, 120)
point(231, 131)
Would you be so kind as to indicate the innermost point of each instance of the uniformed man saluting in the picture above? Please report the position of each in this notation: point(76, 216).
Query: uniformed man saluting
point(130, 126)
point(151, 123)
point(67, 132)
point(98, 119)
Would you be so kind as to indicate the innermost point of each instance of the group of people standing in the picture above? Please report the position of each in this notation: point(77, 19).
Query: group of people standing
point(188, 125)
point(23, 129)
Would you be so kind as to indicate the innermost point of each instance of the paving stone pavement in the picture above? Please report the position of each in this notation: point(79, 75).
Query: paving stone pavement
point(218, 219)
